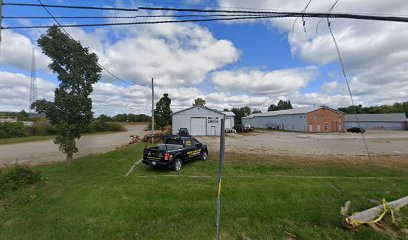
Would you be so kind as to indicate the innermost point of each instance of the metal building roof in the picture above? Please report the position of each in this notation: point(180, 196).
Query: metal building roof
point(228, 113)
point(386, 117)
point(199, 107)
point(301, 110)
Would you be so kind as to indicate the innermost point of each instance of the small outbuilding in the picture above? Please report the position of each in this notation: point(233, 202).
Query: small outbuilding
point(387, 121)
point(201, 121)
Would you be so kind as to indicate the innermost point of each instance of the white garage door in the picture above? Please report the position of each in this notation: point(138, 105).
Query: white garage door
point(228, 123)
point(198, 126)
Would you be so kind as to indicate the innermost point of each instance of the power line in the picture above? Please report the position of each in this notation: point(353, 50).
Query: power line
point(70, 6)
point(109, 72)
point(137, 23)
point(348, 84)
point(130, 17)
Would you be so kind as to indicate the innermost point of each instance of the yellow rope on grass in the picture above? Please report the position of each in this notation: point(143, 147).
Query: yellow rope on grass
point(386, 208)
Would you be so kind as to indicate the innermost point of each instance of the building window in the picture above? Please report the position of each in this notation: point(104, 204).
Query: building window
point(315, 117)
point(322, 116)
point(310, 128)
point(318, 128)
point(326, 127)
point(339, 127)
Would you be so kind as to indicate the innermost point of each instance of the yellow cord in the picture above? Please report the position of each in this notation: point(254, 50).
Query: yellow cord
point(386, 208)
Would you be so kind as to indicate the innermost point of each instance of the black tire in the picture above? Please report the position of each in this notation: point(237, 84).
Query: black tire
point(177, 164)
point(204, 155)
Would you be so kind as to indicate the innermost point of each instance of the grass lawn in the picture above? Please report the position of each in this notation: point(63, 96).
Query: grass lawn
point(263, 197)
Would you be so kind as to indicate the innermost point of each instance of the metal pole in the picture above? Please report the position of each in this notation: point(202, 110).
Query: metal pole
point(152, 109)
point(1, 18)
point(222, 149)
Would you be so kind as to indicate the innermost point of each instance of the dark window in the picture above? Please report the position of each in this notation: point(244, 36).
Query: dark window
point(194, 141)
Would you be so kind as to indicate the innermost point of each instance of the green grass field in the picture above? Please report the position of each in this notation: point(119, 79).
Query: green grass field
point(263, 197)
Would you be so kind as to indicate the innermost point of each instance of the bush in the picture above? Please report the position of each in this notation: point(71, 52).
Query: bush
point(12, 129)
point(41, 129)
point(101, 126)
point(18, 176)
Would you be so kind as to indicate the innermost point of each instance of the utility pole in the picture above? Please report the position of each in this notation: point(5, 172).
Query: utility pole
point(152, 109)
point(222, 149)
point(1, 18)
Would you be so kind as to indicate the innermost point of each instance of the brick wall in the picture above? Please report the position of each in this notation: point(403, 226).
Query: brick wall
point(325, 120)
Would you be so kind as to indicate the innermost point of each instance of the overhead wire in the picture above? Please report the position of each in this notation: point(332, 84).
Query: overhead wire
point(329, 11)
point(348, 85)
point(104, 68)
point(129, 17)
point(138, 23)
point(303, 20)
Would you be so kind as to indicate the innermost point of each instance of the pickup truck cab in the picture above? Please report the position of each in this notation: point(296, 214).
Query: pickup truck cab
point(175, 151)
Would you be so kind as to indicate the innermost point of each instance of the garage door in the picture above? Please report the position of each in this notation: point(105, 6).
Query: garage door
point(198, 126)
point(228, 123)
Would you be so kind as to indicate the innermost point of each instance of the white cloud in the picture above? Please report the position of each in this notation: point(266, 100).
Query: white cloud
point(16, 51)
point(254, 81)
point(374, 53)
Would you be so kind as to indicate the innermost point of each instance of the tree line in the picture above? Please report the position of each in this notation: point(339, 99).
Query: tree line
point(125, 118)
point(395, 108)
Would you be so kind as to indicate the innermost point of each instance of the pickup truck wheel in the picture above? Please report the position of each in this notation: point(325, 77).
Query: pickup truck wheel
point(177, 165)
point(204, 155)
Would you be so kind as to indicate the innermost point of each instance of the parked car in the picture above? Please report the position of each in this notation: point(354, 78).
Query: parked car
point(356, 130)
point(175, 151)
point(183, 132)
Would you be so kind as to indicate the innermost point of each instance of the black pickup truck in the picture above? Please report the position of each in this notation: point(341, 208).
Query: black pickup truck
point(174, 152)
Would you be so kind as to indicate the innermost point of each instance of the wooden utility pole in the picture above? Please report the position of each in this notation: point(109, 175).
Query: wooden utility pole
point(152, 111)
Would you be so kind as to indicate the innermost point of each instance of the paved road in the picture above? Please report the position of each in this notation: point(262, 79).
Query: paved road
point(47, 151)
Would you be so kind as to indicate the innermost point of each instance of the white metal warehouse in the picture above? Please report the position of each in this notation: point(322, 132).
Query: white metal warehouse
point(304, 119)
point(387, 121)
point(201, 121)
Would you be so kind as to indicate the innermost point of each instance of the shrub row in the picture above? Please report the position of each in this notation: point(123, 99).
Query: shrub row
point(17, 129)
point(102, 126)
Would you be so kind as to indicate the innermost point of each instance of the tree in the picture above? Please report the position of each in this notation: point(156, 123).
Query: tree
point(23, 116)
point(162, 113)
point(282, 105)
point(199, 102)
point(104, 118)
point(240, 113)
point(395, 108)
point(255, 111)
point(77, 69)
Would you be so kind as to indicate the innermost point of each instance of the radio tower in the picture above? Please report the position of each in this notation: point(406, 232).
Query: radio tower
point(33, 85)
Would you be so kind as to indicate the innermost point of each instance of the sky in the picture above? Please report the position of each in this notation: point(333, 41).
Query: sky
point(251, 63)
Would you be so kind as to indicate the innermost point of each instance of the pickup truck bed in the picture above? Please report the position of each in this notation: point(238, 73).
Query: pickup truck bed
point(174, 152)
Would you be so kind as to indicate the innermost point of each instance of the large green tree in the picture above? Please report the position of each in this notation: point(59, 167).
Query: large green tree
point(77, 69)
point(199, 102)
point(240, 113)
point(282, 105)
point(162, 113)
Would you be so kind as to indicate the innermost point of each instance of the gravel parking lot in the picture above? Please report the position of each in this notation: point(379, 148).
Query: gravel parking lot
point(298, 144)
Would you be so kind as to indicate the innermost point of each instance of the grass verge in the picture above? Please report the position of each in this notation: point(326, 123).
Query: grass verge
point(263, 197)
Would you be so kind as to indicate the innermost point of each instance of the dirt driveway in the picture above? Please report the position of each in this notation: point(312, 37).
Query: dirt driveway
point(47, 151)
point(298, 144)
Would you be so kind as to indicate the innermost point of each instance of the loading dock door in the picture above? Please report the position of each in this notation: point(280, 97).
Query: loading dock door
point(198, 126)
